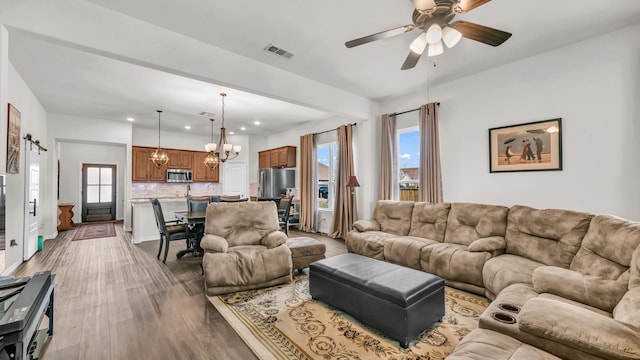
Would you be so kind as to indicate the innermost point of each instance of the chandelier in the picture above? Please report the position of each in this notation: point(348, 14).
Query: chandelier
point(222, 151)
point(159, 158)
point(434, 37)
point(211, 160)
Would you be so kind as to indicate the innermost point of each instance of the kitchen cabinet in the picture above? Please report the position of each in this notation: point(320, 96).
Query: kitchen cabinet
point(180, 159)
point(282, 157)
point(143, 169)
point(201, 172)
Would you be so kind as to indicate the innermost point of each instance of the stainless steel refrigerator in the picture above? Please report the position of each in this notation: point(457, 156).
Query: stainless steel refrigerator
point(273, 183)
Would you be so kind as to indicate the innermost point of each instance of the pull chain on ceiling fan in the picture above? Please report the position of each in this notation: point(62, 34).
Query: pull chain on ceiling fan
point(433, 18)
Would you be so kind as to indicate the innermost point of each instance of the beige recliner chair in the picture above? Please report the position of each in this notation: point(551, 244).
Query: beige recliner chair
point(243, 247)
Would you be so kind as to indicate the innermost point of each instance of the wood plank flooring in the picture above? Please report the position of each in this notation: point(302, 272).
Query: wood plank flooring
point(115, 300)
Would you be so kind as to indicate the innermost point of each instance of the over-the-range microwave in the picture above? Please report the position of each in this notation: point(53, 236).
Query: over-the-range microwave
point(179, 175)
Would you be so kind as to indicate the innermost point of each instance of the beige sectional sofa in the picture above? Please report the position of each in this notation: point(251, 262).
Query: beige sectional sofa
point(569, 280)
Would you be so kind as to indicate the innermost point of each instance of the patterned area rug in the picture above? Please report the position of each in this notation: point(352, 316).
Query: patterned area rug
point(94, 231)
point(283, 322)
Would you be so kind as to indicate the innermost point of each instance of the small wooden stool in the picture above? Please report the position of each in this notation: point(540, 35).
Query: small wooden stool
point(304, 251)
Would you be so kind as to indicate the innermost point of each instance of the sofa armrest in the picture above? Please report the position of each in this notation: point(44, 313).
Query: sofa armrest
point(580, 329)
point(366, 225)
point(214, 243)
point(274, 239)
point(594, 291)
point(488, 244)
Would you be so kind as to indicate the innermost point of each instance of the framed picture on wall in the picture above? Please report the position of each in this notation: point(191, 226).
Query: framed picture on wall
point(13, 141)
point(534, 146)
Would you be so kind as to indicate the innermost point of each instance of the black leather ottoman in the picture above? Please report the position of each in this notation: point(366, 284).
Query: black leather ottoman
point(399, 301)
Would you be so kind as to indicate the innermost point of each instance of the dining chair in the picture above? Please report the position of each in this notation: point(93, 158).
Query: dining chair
point(284, 209)
point(169, 230)
point(238, 199)
point(275, 200)
point(198, 203)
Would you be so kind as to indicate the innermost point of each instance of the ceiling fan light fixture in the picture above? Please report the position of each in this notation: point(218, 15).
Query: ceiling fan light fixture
point(422, 5)
point(419, 44)
point(451, 36)
point(435, 49)
point(434, 34)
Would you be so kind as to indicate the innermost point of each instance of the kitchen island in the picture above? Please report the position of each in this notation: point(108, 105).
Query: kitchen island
point(143, 225)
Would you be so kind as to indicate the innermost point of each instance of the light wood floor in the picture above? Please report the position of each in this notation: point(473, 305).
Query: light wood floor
point(115, 300)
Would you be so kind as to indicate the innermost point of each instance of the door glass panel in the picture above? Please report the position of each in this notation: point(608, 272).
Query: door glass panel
point(105, 176)
point(93, 194)
point(93, 176)
point(105, 193)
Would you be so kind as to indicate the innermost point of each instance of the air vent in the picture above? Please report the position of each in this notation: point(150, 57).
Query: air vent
point(278, 51)
point(208, 114)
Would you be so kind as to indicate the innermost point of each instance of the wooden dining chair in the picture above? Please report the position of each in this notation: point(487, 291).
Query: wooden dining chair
point(198, 203)
point(284, 209)
point(169, 230)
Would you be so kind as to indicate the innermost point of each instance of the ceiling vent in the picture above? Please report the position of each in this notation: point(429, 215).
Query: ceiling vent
point(278, 51)
point(208, 114)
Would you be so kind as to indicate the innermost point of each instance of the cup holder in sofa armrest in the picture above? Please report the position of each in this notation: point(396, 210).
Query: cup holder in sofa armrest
point(503, 318)
point(509, 308)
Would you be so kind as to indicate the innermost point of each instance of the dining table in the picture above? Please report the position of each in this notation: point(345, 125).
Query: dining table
point(195, 220)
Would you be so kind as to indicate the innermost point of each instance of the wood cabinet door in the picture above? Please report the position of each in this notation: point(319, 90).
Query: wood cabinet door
point(282, 156)
point(174, 159)
point(274, 159)
point(140, 162)
point(201, 172)
point(186, 159)
point(264, 159)
point(157, 174)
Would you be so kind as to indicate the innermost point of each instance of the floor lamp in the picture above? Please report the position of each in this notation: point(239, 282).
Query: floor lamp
point(353, 183)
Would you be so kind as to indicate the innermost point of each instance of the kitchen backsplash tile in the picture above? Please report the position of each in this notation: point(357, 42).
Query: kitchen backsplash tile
point(163, 190)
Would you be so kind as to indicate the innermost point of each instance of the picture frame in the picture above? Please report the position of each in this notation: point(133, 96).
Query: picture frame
point(13, 141)
point(533, 146)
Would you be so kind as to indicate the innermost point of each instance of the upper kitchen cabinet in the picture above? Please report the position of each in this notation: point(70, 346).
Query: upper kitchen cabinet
point(180, 159)
point(201, 172)
point(143, 169)
point(282, 157)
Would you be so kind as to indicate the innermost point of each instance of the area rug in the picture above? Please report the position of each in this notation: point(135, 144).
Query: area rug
point(94, 231)
point(283, 322)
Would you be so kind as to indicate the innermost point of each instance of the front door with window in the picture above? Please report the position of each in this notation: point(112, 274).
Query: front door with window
point(98, 192)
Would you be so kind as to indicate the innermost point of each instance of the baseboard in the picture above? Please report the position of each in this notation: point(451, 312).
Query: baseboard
point(51, 236)
point(10, 269)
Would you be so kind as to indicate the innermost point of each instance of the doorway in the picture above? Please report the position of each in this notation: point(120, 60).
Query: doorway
point(98, 192)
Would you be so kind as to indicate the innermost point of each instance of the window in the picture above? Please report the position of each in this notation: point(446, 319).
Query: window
point(409, 163)
point(327, 169)
point(99, 184)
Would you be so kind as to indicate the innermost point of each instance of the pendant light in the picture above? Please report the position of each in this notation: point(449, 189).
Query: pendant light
point(159, 158)
point(226, 151)
point(211, 160)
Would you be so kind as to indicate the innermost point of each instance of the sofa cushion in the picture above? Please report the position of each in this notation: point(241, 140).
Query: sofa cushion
point(429, 221)
point(590, 290)
point(366, 225)
point(628, 308)
point(550, 236)
point(468, 222)
point(481, 344)
point(370, 243)
point(454, 263)
point(405, 250)
point(394, 217)
point(607, 247)
point(242, 223)
point(504, 270)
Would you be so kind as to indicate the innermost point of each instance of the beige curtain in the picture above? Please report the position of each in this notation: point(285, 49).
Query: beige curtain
point(388, 189)
point(430, 173)
point(307, 183)
point(345, 212)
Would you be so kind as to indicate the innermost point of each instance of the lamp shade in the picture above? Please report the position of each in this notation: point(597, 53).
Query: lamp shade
point(434, 34)
point(353, 182)
point(451, 36)
point(435, 49)
point(419, 44)
point(423, 4)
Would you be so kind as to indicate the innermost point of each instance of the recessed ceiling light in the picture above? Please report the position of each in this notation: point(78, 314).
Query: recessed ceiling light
point(231, 132)
point(256, 122)
point(130, 119)
point(187, 127)
point(243, 128)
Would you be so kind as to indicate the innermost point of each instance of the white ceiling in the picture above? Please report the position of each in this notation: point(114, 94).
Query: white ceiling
point(76, 82)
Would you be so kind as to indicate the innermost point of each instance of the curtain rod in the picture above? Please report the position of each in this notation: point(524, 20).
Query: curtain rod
point(326, 131)
point(408, 111)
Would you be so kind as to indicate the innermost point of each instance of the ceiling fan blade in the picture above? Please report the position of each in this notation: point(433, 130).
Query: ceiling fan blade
point(468, 5)
point(380, 35)
point(411, 61)
point(481, 33)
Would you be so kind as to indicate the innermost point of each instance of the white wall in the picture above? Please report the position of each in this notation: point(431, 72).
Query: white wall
point(595, 94)
point(73, 155)
point(33, 121)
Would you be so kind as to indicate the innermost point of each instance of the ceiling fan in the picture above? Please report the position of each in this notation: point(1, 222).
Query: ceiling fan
point(433, 18)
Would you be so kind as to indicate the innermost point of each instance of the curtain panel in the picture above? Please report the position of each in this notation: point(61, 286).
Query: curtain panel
point(307, 183)
point(345, 212)
point(388, 189)
point(430, 171)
